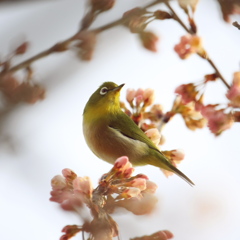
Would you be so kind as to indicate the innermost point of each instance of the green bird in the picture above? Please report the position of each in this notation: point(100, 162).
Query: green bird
point(110, 133)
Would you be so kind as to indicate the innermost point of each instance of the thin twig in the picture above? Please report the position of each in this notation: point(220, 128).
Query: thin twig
point(52, 49)
point(177, 18)
point(236, 24)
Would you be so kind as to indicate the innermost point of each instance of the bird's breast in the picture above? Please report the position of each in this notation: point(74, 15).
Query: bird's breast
point(108, 143)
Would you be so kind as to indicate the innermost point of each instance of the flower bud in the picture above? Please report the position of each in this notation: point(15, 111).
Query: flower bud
point(83, 185)
point(148, 97)
point(154, 135)
point(130, 95)
point(130, 192)
point(58, 182)
point(69, 174)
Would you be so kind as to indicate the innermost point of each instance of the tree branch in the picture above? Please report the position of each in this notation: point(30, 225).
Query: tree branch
point(60, 47)
point(176, 17)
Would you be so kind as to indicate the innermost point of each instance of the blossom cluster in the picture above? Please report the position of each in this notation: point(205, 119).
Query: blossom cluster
point(151, 118)
point(116, 189)
point(17, 90)
point(189, 44)
point(218, 118)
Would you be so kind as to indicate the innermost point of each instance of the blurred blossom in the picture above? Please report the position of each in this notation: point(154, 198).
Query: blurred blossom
point(58, 182)
point(70, 231)
point(148, 96)
point(130, 95)
point(192, 118)
point(122, 164)
point(188, 92)
point(188, 45)
point(83, 185)
point(69, 174)
point(218, 120)
point(184, 4)
point(86, 41)
point(130, 192)
point(151, 187)
point(233, 93)
point(154, 135)
point(149, 40)
point(176, 155)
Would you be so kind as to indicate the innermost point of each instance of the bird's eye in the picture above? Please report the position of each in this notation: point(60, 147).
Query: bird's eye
point(103, 90)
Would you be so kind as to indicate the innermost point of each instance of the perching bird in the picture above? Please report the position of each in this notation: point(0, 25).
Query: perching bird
point(110, 133)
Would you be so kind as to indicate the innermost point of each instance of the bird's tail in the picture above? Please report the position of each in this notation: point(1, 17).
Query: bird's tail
point(179, 173)
point(165, 164)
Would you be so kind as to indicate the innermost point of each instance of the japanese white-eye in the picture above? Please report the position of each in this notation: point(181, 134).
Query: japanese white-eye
point(110, 133)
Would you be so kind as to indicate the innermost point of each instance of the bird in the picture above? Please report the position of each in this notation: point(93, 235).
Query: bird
point(110, 133)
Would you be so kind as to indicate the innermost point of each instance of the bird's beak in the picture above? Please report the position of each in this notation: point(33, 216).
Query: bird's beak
point(118, 88)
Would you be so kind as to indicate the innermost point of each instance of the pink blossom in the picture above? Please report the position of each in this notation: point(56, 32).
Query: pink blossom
point(122, 163)
point(184, 4)
point(70, 231)
point(86, 45)
point(128, 172)
point(138, 183)
point(154, 135)
point(141, 175)
point(218, 121)
point(58, 182)
point(188, 45)
point(188, 92)
point(151, 187)
point(139, 92)
point(130, 192)
point(130, 95)
point(148, 96)
point(233, 93)
point(83, 185)
point(69, 174)
point(177, 155)
point(139, 100)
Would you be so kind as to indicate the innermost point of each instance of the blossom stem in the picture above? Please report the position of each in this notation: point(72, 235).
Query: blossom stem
point(177, 18)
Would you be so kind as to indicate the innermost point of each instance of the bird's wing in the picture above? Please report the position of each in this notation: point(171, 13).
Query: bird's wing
point(128, 128)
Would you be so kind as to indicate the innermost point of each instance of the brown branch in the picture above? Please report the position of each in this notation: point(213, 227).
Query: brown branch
point(62, 46)
point(176, 17)
point(236, 24)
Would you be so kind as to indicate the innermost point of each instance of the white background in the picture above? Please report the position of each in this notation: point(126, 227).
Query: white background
point(38, 141)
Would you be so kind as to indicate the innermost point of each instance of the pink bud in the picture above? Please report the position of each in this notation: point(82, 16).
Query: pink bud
point(139, 100)
point(122, 163)
point(69, 174)
point(139, 92)
point(130, 95)
point(138, 183)
point(148, 97)
point(151, 187)
point(130, 192)
point(140, 175)
point(58, 182)
point(128, 172)
point(83, 185)
point(154, 135)
point(178, 155)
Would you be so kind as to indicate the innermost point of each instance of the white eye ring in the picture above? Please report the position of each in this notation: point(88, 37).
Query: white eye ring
point(103, 90)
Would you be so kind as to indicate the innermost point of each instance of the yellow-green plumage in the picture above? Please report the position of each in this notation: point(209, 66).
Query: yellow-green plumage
point(110, 133)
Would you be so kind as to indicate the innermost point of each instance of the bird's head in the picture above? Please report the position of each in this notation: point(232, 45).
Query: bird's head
point(105, 98)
